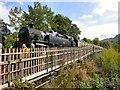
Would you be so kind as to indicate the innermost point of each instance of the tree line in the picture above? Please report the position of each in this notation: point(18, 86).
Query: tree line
point(105, 43)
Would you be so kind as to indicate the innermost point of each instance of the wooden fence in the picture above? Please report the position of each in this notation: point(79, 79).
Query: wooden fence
point(28, 63)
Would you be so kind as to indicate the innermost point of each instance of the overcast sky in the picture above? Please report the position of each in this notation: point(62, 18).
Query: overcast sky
point(95, 18)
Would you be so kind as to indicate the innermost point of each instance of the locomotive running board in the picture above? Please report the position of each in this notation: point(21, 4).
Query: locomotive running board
point(39, 44)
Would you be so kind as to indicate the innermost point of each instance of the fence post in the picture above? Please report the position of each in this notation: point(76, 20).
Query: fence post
point(47, 60)
point(93, 49)
point(78, 54)
point(51, 61)
point(73, 54)
point(21, 70)
point(0, 61)
point(9, 69)
point(67, 56)
point(84, 50)
point(55, 58)
point(70, 55)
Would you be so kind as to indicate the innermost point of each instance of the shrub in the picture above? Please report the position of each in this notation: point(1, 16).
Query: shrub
point(18, 85)
point(98, 81)
point(85, 85)
point(110, 61)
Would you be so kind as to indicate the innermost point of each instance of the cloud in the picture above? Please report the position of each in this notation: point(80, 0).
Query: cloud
point(101, 31)
point(106, 5)
point(102, 22)
point(86, 16)
point(19, 1)
point(4, 12)
point(98, 11)
point(104, 10)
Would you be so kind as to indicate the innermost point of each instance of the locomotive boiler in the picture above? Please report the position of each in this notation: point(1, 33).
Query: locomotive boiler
point(29, 35)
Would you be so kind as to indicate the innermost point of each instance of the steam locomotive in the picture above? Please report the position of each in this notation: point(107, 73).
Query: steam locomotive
point(29, 35)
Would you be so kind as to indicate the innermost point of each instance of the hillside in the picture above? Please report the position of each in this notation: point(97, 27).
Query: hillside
point(114, 42)
point(112, 39)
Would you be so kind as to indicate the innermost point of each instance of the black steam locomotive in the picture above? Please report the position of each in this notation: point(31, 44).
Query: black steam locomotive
point(29, 35)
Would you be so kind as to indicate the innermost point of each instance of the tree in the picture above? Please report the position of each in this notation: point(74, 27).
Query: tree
point(106, 44)
point(39, 15)
point(4, 31)
point(74, 32)
point(60, 24)
point(96, 41)
point(3, 27)
point(87, 40)
point(64, 25)
point(16, 18)
point(116, 45)
point(9, 39)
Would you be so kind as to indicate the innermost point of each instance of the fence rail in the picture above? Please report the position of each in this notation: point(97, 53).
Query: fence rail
point(28, 63)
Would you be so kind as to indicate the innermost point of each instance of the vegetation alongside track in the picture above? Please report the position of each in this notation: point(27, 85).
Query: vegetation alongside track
point(99, 72)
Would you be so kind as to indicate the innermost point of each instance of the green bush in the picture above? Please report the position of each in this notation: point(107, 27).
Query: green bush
point(98, 81)
point(109, 60)
point(85, 84)
point(18, 85)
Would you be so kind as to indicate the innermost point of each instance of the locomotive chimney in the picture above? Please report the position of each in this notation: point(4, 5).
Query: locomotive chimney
point(30, 25)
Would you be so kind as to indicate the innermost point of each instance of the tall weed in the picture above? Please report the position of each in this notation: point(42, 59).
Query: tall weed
point(109, 60)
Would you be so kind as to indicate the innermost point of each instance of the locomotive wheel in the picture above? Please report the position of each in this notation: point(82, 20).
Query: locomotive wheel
point(56, 45)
